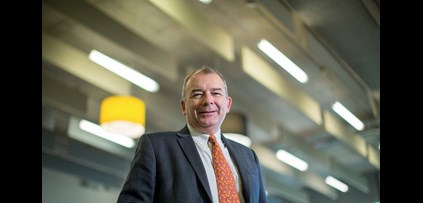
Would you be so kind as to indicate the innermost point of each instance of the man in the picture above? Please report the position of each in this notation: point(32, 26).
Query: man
point(178, 167)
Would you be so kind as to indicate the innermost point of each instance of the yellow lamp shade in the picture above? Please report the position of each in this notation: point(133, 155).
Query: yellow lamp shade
point(123, 115)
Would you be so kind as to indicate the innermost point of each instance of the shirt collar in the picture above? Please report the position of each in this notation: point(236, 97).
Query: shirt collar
point(203, 137)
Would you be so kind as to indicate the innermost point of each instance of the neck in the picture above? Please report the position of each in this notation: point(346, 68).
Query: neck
point(209, 130)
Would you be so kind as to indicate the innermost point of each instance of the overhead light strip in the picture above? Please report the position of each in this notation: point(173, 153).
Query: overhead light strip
point(336, 184)
point(124, 71)
point(205, 1)
point(347, 116)
point(291, 160)
point(283, 61)
point(100, 132)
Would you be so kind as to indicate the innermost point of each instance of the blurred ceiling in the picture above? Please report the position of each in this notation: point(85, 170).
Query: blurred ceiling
point(335, 42)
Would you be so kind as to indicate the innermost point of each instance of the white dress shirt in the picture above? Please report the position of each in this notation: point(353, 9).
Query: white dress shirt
point(204, 149)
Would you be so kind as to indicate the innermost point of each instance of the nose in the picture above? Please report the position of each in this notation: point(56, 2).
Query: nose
point(208, 99)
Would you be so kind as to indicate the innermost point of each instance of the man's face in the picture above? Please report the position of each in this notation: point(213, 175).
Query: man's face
point(205, 104)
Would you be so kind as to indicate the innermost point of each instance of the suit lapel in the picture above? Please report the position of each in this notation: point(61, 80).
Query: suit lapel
point(188, 147)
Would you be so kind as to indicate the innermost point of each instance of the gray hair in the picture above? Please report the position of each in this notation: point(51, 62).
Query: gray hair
point(206, 70)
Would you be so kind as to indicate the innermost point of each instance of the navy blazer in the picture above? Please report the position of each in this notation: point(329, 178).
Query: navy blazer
point(168, 169)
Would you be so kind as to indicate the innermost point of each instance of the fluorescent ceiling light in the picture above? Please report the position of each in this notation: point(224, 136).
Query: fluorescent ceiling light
point(205, 1)
point(242, 139)
point(282, 60)
point(291, 160)
point(336, 184)
point(99, 131)
point(124, 71)
point(347, 115)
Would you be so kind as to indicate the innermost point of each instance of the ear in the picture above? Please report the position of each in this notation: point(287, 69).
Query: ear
point(183, 108)
point(228, 104)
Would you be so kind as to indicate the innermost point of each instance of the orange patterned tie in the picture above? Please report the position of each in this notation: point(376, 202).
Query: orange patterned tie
point(225, 180)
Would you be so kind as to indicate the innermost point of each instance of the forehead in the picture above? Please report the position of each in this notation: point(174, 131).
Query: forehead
point(201, 79)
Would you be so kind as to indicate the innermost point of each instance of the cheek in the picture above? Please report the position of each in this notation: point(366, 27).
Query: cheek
point(193, 104)
point(189, 107)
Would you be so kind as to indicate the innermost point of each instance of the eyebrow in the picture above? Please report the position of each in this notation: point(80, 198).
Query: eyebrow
point(201, 90)
point(214, 89)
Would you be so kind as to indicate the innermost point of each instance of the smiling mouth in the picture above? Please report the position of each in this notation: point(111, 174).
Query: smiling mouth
point(207, 112)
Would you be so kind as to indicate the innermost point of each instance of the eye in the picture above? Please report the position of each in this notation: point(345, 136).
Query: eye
point(217, 93)
point(196, 94)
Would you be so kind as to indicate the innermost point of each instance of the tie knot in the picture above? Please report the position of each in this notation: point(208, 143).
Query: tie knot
point(212, 138)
